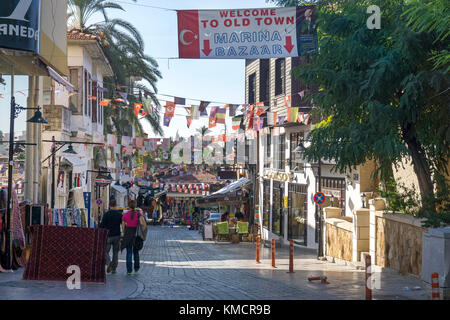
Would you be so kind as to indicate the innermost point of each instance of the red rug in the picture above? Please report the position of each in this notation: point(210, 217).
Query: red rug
point(55, 248)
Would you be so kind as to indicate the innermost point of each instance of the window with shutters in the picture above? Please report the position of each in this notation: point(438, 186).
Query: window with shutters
point(73, 99)
point(94, 101)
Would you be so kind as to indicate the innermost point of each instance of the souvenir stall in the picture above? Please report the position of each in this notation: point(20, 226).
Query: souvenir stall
point(234, 198)
point(18, 228)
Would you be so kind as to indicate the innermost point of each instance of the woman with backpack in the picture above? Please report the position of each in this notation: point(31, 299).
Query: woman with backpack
point(130, 222)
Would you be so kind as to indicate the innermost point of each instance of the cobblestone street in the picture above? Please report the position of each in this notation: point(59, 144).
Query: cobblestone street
point(178, 265)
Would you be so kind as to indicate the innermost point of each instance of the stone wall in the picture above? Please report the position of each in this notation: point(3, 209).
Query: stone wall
point(339, 239)
point(398, 242)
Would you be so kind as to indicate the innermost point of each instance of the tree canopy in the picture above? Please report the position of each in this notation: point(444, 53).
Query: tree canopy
point(380, 92)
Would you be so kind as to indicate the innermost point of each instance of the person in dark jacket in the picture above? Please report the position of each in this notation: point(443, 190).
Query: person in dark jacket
point(111, 221)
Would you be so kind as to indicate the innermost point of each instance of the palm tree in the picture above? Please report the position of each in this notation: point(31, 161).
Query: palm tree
point(203, 131)
point(124, 47)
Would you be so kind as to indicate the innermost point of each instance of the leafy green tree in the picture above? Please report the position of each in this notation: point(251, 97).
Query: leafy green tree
point(124, 47)
point(432, 16)
point(379, 93)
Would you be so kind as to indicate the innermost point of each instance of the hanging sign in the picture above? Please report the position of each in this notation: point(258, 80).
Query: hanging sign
point(103, 180)
point(247, 33)
point(19, 24)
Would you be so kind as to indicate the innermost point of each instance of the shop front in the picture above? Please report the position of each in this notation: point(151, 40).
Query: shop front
point(298, 213)
point(277, 208)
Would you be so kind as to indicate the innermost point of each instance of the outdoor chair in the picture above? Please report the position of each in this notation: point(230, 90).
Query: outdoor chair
point(242, 229)
point(222, 230)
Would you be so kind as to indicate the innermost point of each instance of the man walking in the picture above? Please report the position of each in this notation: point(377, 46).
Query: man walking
point(111, 221)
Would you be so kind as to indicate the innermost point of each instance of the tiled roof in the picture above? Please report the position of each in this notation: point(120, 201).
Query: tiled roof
point(76, 34)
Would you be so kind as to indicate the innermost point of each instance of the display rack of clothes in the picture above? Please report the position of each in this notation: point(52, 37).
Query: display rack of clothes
point(17, 231)
point(70, 217)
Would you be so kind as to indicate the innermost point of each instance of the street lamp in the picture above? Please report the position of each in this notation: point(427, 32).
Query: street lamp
point(70, 150)
point(37, 118)
point(54, 150)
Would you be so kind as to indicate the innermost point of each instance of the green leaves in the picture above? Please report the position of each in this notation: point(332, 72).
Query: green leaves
point(378, 89)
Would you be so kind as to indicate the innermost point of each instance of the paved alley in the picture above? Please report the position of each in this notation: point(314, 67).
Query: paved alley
point(178, 265)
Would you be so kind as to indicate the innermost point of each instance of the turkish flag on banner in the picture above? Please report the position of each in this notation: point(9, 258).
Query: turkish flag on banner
point(257, 33)
point(188, 34)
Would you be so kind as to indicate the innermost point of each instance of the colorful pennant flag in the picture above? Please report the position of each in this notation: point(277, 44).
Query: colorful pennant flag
point(212, 117)
point(181, 101)
point(287, 101)
point(272, 118)
point(232, 109)
point(202, 108)
point(236, 122)
point(195, 112)
point(250, 117)
point(189, 121)
point(167, 120)
point(220, 116)
point(302, 93)
point(137, 108)
point(170, 109)
point(123, 95)
point(292, 114)
point(105, 102)
point(258, 123)
point(260, 111)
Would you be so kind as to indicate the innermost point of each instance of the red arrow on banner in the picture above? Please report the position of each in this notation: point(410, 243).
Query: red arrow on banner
point(288, 44)
point(206, 49)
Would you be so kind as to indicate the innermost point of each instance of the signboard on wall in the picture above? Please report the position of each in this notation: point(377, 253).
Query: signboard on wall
point(247, 33)
point(20, 24)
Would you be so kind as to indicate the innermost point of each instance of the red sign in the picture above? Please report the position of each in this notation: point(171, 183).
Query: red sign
point(103, 180)
point(247, 33)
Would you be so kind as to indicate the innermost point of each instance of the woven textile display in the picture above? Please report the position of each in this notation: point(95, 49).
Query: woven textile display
point(55, 248)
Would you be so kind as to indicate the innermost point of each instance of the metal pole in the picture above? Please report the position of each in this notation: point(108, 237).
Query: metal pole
point(10, 175)
point(53, 172)
point(320, 251)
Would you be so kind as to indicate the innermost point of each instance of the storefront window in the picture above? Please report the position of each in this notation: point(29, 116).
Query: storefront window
point(298, 213)
point(277, 221)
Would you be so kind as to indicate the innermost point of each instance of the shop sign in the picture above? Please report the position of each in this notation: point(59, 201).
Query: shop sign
point(19, 24)
point(103, 180)
point(281, 176)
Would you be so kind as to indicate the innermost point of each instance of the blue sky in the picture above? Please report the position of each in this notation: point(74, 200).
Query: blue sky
point(210, 80)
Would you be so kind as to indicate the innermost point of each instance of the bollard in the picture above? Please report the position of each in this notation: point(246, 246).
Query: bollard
point(257, 248)
point(435, 294)
point(368, 279)
point(291, 256)
point(273, 253)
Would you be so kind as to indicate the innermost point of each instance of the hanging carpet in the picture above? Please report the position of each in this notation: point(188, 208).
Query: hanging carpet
point(55, 248)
